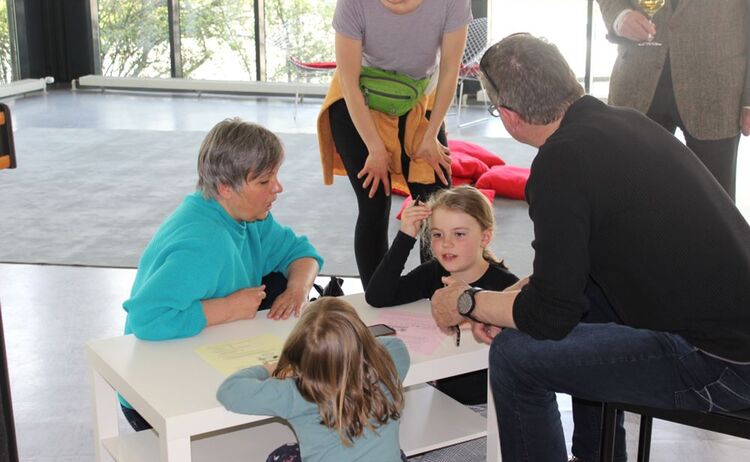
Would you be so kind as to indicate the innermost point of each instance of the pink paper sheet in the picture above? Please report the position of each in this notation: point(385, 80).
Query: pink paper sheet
point(418, 331)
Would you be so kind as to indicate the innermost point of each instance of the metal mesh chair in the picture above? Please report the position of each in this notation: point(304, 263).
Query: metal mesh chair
point(476, 44)
point(317, 67)
point(729, 423)
point(7, 150)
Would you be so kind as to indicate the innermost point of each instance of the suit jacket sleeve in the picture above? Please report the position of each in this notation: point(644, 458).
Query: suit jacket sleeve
point(611, 9)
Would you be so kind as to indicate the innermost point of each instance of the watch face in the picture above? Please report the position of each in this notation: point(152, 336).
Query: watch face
point(465, 302)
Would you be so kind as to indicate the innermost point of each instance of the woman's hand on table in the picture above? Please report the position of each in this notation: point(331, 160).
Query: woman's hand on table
point(244, 303)
point(289, 303)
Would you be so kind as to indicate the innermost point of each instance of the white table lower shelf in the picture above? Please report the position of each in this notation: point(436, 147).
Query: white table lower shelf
point(430, 420)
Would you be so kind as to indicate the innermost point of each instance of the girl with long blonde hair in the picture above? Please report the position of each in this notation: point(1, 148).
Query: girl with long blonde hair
point(337, 386)
point(458, 224)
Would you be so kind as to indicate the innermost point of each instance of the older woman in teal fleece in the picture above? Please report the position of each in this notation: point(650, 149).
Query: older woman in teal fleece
point(221, 255)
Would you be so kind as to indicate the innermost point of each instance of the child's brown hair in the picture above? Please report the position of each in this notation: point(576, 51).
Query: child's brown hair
point(341, 367)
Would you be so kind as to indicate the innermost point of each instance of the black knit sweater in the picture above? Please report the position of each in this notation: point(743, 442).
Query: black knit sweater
point(616, 198)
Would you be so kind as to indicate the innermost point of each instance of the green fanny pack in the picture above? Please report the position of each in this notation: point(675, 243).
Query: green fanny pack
point(390, 92)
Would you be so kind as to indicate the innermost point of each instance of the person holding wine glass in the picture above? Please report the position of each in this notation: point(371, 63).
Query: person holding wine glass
point(698, 79)
point(650, 8)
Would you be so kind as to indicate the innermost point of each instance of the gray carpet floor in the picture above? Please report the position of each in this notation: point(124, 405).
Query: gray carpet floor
point(94, 197)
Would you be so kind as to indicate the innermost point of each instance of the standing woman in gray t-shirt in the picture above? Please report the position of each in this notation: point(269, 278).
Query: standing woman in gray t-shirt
point(418, 38)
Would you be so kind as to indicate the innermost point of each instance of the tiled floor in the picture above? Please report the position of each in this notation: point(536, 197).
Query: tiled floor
point(49, 312)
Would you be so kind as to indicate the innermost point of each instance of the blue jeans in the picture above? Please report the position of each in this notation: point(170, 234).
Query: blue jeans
point(600, 362)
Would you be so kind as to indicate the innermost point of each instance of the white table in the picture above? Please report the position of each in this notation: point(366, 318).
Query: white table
point(174, 389)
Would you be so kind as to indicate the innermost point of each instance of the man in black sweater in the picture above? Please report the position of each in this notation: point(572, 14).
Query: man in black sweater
point(641, 285)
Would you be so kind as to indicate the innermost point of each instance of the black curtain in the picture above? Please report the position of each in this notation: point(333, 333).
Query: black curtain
point(54, 38)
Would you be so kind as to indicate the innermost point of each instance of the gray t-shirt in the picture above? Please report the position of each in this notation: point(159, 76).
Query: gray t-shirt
point(407, 43)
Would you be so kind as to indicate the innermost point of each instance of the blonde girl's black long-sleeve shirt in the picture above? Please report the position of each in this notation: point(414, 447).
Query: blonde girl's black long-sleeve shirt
point(389, 288)
point(616, 198)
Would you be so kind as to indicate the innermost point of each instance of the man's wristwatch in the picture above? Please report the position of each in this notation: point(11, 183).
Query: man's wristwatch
point(467, 303)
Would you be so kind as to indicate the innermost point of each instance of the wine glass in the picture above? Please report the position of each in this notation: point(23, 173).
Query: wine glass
point(650, 7)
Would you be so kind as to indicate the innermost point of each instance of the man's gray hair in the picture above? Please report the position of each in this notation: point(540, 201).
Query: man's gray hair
point(529, 76)
point(235, 152)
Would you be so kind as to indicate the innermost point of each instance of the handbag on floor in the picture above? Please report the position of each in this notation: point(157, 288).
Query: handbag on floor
point(332, 289)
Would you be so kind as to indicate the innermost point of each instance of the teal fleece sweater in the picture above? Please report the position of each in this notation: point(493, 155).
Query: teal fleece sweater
point(200, 252)
point(251, 391)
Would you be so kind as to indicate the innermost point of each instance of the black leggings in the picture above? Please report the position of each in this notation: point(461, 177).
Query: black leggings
point(371, 230)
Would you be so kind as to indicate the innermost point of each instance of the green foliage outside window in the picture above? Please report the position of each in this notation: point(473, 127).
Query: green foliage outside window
point(217, 37)
point(134, 38)
point(6, 65)
point(301, 29)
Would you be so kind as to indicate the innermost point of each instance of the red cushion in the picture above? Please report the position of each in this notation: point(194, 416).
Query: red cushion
point(474, 150)
point(466, 166)
point(458, 181)
point(398, 191)
point(507, 180)
point(489, 193)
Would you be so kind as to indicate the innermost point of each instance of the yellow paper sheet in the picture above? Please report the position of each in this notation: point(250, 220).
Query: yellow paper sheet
point(230, 357)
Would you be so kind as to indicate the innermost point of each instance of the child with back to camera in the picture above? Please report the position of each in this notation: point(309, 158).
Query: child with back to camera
point(459, 225)
point(337, 386)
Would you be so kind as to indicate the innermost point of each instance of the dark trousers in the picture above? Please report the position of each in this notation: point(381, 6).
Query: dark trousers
point(719, 156)
point(275, 284)
point(371, 229)
point(599, 362)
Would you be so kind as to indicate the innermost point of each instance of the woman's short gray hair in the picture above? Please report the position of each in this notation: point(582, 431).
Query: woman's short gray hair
point(235, 152)
point(529, 76)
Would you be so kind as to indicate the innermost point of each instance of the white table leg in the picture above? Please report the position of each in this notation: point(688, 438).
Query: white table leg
point(493, 434)
point(105, 415)
point(175, 450)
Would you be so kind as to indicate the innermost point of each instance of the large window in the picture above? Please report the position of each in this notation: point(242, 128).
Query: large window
point(134, 38)
point(216, 38)
point(6, 53)
point(300, 29)
point(562, 22)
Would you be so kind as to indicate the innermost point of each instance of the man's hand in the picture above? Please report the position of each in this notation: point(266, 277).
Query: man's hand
point(636, 27)
point(444, 304)
point(745, 121)
point(436, 155)
point(412, 217)
point(288, 303)
point(484, 333)
point(376, 171)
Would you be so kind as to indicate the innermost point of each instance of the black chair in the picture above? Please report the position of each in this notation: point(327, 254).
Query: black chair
point(8, 445)
point(7, 150)
point(729, 423)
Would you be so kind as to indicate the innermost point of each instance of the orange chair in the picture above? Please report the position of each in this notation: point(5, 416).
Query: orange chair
point(7, 150)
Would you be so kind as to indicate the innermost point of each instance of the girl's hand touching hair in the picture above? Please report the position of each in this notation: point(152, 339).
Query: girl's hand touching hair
point(413, 216)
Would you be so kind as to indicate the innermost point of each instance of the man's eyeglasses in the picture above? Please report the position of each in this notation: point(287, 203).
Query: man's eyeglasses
point(492, 108)
point(495, 112)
